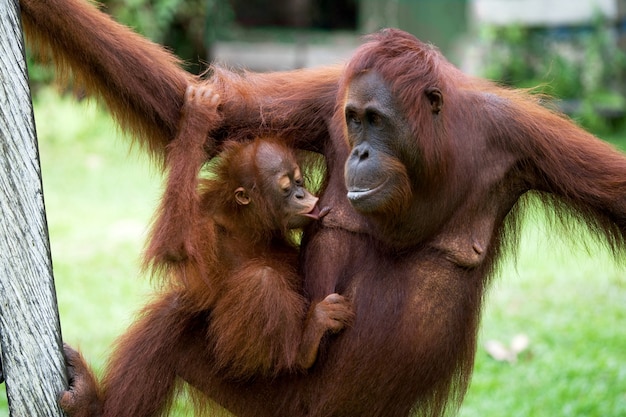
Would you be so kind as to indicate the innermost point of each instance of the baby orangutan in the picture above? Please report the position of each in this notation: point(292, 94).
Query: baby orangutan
point(231, 290)
point(227, 241)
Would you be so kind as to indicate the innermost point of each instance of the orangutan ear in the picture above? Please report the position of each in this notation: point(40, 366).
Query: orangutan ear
point(241, 196)
point(435, 98)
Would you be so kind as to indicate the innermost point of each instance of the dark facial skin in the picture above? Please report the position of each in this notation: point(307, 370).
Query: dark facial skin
point(284, 185)
point(373, 173)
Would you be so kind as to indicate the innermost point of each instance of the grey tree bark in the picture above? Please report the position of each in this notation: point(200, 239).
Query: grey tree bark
point(30, 335)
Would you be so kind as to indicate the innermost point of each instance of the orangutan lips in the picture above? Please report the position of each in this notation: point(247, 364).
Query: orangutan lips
point(316, 213)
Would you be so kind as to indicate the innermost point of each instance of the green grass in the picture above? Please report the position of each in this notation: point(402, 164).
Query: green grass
point(571, 302)
point(99, 199)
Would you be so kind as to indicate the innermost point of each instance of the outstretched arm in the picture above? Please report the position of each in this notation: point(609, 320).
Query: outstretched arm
point(295, 105)
point(575, 172)
point(180, 217)
point(143, 84)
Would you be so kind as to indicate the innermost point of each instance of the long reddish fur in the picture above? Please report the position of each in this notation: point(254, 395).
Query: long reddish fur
point(574, 172)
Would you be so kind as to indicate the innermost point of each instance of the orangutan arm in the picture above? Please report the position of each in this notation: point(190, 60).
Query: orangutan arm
point(143, 84)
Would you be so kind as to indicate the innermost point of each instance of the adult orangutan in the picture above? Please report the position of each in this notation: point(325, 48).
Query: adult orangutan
point(424, 169)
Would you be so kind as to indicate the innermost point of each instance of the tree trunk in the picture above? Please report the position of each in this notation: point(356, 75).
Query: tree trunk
point(30, 334)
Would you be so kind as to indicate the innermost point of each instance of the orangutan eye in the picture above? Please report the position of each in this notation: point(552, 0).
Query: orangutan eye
point(352, 118)
point(374, 119)
point(285, 184)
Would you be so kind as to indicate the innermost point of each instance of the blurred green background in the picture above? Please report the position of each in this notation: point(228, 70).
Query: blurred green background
point(564, 293)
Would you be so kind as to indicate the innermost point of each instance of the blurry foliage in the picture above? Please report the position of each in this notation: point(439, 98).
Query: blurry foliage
point(39, 74)
point(179, 24)
point(583, 67)
point(186, 27)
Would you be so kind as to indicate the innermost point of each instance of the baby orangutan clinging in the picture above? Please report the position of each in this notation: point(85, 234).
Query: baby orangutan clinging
point(226, 241)
point(231, 289)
